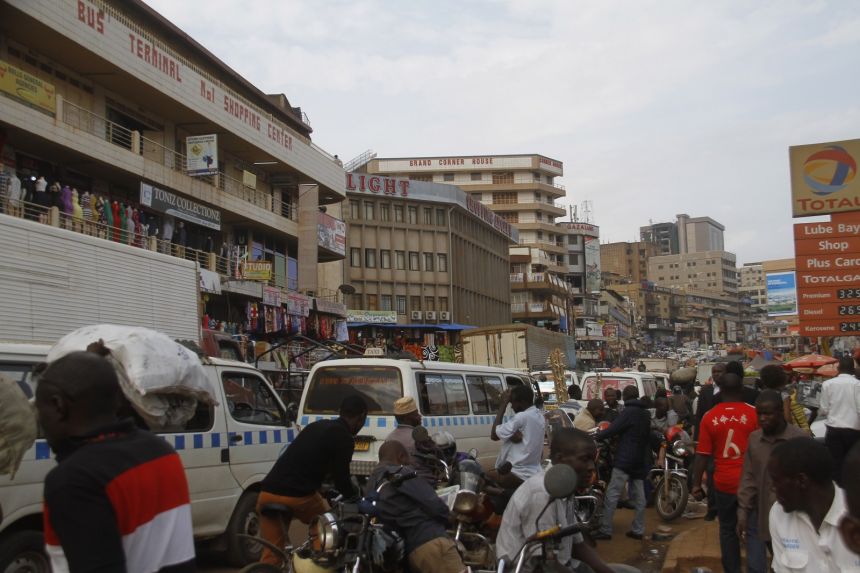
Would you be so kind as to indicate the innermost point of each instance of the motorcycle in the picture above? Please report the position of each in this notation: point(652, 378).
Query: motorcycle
point(347, 538)
point(670, 476)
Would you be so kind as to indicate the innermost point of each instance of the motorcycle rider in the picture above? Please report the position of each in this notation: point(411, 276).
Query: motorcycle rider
point(576, 449)
point(588, 418)
point(522, 439)
point(323, 447)
point(414, 509)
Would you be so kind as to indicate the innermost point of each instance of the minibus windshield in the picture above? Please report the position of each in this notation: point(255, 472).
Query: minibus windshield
point(379, 386)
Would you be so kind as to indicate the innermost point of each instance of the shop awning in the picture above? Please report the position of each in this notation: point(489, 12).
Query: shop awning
point(452, 326)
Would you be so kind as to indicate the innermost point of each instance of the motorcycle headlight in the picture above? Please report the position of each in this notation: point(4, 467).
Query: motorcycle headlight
point(324, 534)
point(681, 448)
point(465, 502)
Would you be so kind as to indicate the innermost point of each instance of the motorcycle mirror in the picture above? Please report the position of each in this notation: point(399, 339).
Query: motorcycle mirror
point(420, 434)
point(560, 481)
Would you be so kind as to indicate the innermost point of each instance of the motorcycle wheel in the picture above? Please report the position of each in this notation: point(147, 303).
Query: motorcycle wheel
point(670, 507)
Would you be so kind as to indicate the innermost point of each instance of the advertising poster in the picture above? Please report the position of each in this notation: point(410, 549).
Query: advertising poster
point(592, 264)
point(257, 270)
point(781, 294)
point(27, 88)
point(331, 233)
point(202, 153)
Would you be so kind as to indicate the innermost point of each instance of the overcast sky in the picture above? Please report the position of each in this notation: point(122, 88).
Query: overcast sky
point(655, 107)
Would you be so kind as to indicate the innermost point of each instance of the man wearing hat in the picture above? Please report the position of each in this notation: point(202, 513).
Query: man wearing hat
point(408, 418)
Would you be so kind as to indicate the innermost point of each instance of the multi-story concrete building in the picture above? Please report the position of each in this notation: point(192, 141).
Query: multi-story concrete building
point(664, 235)
point(685, 235)
point(583, 268)
point(627, 261)
point(521, 190)
point(113, 100)
point(753, 285)
point(426, 254)
point(713, 271)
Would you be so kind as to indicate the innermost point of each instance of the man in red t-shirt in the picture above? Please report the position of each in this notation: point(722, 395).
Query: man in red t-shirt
point(723, 435)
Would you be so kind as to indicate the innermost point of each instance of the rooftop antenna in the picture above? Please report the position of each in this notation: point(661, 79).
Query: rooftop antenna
point(587, 212)
point(574, 215)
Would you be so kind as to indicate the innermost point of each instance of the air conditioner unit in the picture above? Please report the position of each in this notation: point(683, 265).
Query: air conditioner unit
point(444, 315)
point(416, 315)
point(430, 315)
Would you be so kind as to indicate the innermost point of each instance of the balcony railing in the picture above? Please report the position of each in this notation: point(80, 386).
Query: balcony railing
point(116, 134)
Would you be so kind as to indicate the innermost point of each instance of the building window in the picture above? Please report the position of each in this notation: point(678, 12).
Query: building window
point(549, 179)
point(440, 217)
point(504, 198)
point(370, 258)
point(503, 178)
point(509, 216)
point(476, 176)
point(413, 261)
point(400, 260)
point(539, 216)
point(536, 177)
point(540, 235)
point(369, 211)
point(413, 215)
point(385, 260)
point(401, 304)
point(447, 177)
point(573, 239)
point(353, 209)
point(385, 212)
point(372, 302)
point(421, 178)
point(428, 261)
point(442, 262)
point(355, 257)
point(429, 303)
point(443, 303)
point(573, 259)
point(428, 216)
point(414, 303)
point(398, 213)
point(385, 302)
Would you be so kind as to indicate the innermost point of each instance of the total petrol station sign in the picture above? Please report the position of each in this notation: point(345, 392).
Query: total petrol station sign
point(827, 259)
point(824, 178)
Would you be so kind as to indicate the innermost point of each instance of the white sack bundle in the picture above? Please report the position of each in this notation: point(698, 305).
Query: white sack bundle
point(17, 426)
point(684, 376)
point(162, 379)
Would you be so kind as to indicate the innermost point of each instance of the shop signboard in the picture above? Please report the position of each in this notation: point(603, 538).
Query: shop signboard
point(27, 88)
point(331, 233)
point(610, 331)
point(271, 296)
point(824, 178)
point(170, 203)
point(372, 316)
point(210, 281)
point(298, 304)
point(330, 307)
point(202, 154)
point(257, 270)
point(781, 294)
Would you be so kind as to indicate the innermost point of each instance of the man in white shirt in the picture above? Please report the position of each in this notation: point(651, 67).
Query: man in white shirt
point(576, 449)
point(850, 526)
point(522, 439)
point(840, 402)
point(804, 521)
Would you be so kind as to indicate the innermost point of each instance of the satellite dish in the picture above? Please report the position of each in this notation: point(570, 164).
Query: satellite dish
point(560, 481)
point(346, 289)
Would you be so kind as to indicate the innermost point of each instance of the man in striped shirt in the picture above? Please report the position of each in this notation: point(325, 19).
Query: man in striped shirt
point(118, 499)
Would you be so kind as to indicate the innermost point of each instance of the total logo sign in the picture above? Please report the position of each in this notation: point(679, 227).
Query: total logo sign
point(824, 178)
point(827, 261)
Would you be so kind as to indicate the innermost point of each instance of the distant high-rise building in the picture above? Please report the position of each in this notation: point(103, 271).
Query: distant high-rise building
point(686, 235)
point(710, 271)
point(627, 261)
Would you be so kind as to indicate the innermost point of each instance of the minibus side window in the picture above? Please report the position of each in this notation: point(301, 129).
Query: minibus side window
point(442, 395)
point(485, 393)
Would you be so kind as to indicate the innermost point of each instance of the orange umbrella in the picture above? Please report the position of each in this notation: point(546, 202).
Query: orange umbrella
point(810, 361)
point(830, 370)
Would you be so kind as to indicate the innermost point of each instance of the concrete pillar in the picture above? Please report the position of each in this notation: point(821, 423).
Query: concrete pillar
point(58, 114)
point(54, 217)
point(135, 142)
point(212, 262)
point(308, 236)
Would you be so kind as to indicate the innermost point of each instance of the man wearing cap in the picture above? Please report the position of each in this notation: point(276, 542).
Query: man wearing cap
point(408, 418)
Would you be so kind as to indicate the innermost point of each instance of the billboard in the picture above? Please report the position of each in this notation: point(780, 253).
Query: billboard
point(170, 203)
point(331, 233)
point(781, 294)
point(592, 264)
point(824, 178)
point(202, 151)
point(27, 88)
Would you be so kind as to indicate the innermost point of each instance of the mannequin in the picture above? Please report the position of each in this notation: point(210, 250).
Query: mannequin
point(115, 221)
point(41, 193)
point(87, 212)
point(77, 213)
point(14, 193)
point(103, 209)
point(132, 224)
point(66, 200)
point(167, 233)
point(123, 224)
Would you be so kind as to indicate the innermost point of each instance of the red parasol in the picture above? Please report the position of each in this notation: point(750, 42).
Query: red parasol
point(810, 361)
